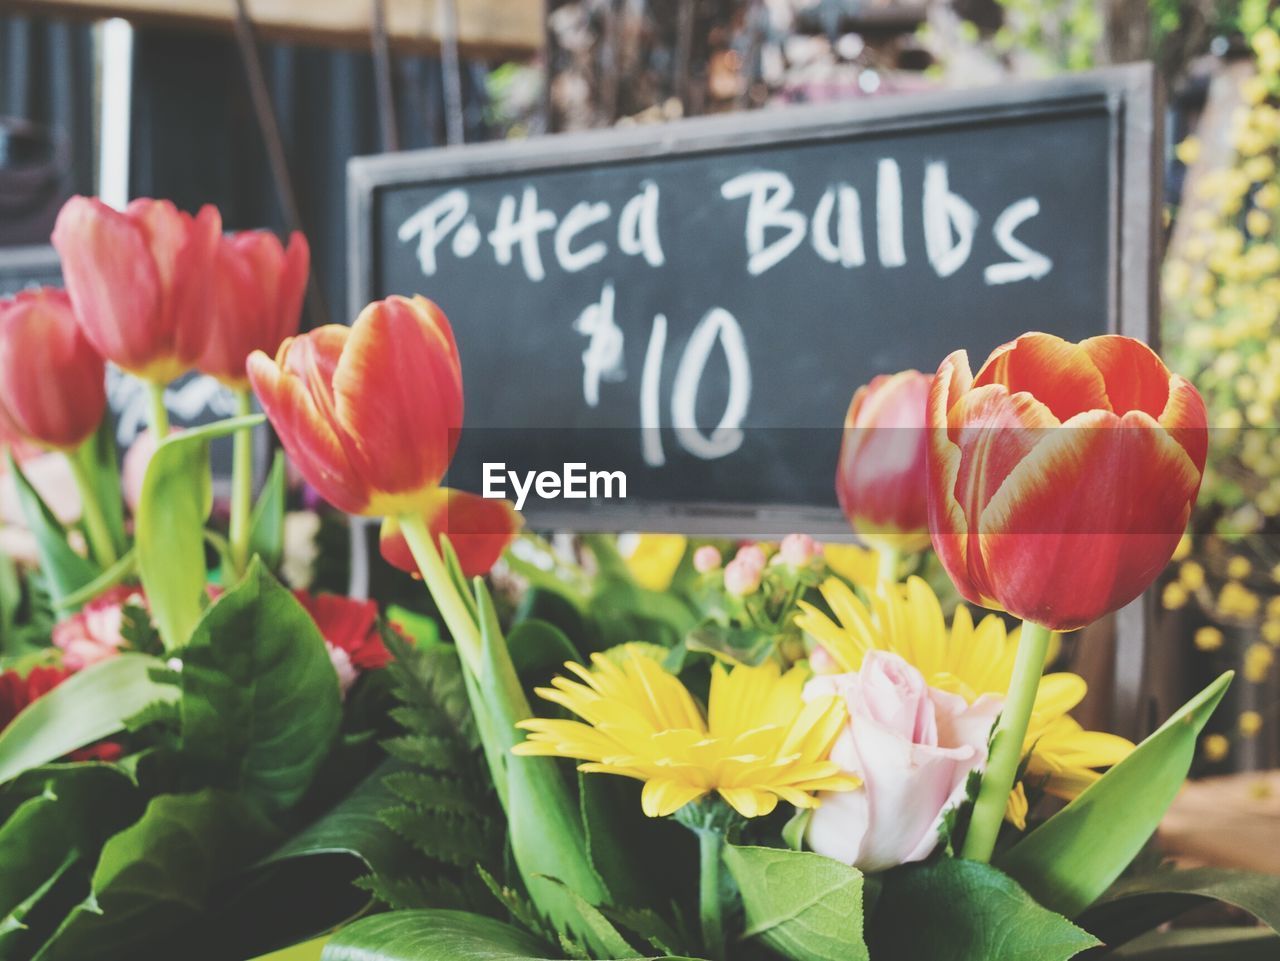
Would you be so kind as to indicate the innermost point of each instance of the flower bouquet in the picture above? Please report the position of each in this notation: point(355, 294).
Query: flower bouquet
point(803, 752)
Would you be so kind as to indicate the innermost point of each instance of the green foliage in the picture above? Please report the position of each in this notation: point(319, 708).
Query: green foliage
point(803, 906)
point(953, 910)
point(266, 526)
point(98, 455)
point(63, 569)
point(1203, 944)
point(437, 936)
point(439, 802)
point(1140, 903)
point(260, 701)
point(157, 876)
point(177, 496)
point(1071, 859)
point(90, 705)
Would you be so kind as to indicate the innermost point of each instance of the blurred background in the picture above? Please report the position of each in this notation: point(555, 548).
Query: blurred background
point(257, 106)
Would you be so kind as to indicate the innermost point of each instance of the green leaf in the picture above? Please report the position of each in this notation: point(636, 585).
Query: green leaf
point(266, 526)
point(98, 455)
point(804, 906)
point(310, 951)
point(1203, 944)
point(158, 876)
point(602, 931)
point(117, 573)
point(1141, 903)
point(88, 706)
point(260, 699)
point(177, 495)
point(437, 936)
point(1071, 859)
point(953, 910)
point(64, 570)
point(538, 649)
point(737, 645)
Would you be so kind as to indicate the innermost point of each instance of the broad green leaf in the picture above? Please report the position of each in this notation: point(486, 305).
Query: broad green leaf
point(64, 570)
point(260, 699)
point(177, 495)
point(804, 906)
point(953, 910)
point(310, 951)
point(158, 876)
point(1203, 944)
point(266, 526)
point(88, 706)
point(544, 825)
point(539, 649)
point(437, 936)
point(1138, 904)
point(98, 455)
point(1071, 859)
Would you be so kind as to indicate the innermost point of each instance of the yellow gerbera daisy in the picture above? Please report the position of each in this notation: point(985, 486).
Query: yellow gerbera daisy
point(969, 660)
point(758, 741)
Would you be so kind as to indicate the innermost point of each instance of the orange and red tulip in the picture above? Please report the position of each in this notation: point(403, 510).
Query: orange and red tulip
point(479, 529)
point(880, 480)
point(140, 281)
point(1062, 476)
point(370, 414)
point(52, 388)
point(255, 303)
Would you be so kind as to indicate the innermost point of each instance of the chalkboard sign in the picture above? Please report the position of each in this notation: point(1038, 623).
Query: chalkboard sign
point(693, 304)
point(192, 400)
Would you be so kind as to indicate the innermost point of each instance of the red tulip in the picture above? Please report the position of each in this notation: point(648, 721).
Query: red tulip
point(479, 529)
point(880, 480)
point(52, 387)
point(369, 414)
point(1062, 476)
point(140, 281)
point(256, 301)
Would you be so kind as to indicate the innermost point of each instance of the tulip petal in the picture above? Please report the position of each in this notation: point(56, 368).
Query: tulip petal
point(1184, 417)
point(1060, 374)
point(1136, 378)
point(948, 527)
point(112, 280)
point(479, 529)
point(293, 390)
point(1087, 520)
point(398, 395)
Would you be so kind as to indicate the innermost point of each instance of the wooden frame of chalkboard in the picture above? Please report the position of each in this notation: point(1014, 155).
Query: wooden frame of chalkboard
point(1128, 95)
point(22, 267)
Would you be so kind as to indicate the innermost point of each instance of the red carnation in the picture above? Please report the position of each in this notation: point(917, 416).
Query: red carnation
point(17, 692)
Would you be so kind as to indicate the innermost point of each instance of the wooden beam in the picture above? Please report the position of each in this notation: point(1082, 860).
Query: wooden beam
point(486, 29)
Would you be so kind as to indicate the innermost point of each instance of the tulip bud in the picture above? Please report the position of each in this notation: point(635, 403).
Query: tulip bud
point(1062, 476)
point(52, 387)
point(369, 414)
point(140, 281)
point(706, 559)
point(256, 301)
point(880, 479)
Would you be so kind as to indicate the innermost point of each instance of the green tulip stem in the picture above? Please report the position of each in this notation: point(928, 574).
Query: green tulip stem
point(241, 486)
point(159, 413)
point(890, 560)
point(1006, 746)
point(711, 849)
point(96, 530)
point(454, 610)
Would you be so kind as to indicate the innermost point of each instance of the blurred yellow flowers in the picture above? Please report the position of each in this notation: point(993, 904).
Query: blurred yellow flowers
point(969, 660)
point(758, 742)
point(654, 558)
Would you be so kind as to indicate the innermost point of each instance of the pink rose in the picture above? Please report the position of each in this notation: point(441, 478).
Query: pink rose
point(913, 746)
point(96, 632)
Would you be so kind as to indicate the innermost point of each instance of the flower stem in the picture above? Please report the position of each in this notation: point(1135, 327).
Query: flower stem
point(453, 608)
point(159, 413)
point(96, 530)
point(1006, 747)
point(890, 560)
point(241, 486)
point(710, 847)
